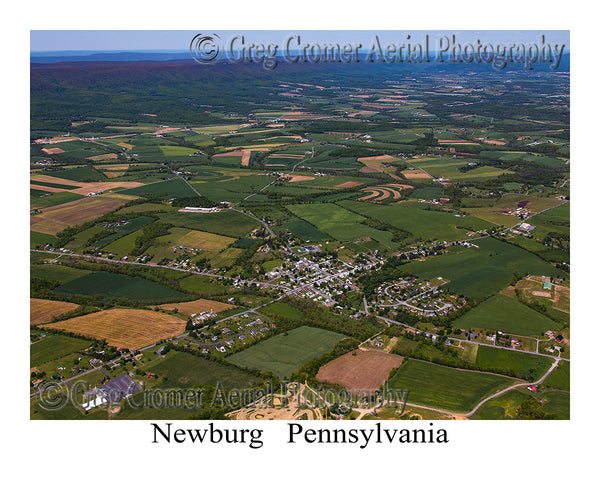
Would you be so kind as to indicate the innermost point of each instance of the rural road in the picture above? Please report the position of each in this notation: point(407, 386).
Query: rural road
point(490, 397)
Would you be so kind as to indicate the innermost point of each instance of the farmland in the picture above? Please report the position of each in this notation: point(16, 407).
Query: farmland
point(42, 311)
point(479, 272)
point(444, 387)
point(114, 285)
point(286, 353)
point(360, 370)
point(53, 347)
point(241, 225)
point(506, 315)
point(183, 370)
point(124, 328)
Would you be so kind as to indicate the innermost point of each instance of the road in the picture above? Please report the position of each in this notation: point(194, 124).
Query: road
point(490, 397)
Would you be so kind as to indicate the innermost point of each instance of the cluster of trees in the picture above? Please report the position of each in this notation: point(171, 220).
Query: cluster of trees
point(195, 201)
point(149, 233)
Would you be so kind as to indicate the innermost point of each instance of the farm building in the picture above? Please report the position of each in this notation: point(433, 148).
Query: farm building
point(114, 391)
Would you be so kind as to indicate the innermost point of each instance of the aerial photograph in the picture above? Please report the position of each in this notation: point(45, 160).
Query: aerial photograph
point(300, 225)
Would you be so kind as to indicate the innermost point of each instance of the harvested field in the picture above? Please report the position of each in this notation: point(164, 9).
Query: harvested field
point(360, 370)
point(377, 162)
point(42, 311)
point(124, 328)
point(455, 142)
point(197, 306)
point(54, 219)
point(46, 188)
point(106, 156)
point(52, 151)
point(128, 146)
point(298, 178)
point(85, 187)
point(415, 174)
point(244, 154)
point(384, 192)
point(348, 184)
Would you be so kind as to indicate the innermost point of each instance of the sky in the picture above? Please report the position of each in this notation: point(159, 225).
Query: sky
point(153, 40)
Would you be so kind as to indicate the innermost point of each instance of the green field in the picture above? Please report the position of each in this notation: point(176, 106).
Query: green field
point(171, 150)
point(114, 285)
point(78, 174)
point(419, 219)
point(229, 223)
point(512, 363)
point(506, 314)
point(52, 347)
point(444, 387)
point(285, 353)
point(36, 239)
point(480, 272)
point(174, 187)
point(40, 199)
point(560, 378)
point(183, 370)
point(57, 273)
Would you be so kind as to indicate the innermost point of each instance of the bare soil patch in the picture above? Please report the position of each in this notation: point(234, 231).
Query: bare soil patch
point(360, 370)
point(298, 178)
point(414, 174)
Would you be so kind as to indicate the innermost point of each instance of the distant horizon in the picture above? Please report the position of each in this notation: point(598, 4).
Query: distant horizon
point(175, 41)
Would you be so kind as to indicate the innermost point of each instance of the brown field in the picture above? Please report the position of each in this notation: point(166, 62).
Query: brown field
point(415, 174)
point(166, 130)
point(128, 146)
point(246, 158)
point(377, 162)
point(348, 184)
point(494, 142)
point(84, 187)
point(105, 156)
point(54, 219)
point(197, 306)
point(52, 151)
point(42, 311)
point(298, 178)
point(391, 189)
point(124, 328)
point(45, 188)
point(360, 370)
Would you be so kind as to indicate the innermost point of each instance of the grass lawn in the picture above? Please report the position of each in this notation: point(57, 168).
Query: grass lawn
point(285, 353)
